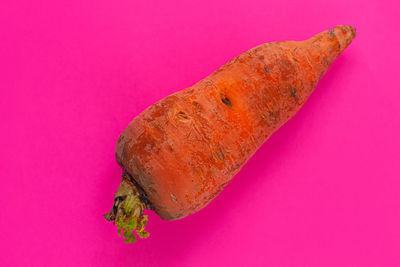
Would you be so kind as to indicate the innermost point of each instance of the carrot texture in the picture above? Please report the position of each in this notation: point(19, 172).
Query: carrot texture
point(180, 152)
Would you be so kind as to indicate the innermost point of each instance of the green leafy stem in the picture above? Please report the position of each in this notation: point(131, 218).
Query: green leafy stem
point(127, 213)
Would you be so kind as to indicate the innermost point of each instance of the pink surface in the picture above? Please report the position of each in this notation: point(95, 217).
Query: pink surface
point(323, 191)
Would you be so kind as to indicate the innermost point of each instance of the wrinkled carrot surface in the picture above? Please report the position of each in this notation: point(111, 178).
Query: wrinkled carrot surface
point(183, 150)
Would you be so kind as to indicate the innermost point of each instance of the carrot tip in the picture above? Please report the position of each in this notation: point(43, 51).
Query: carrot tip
point(345, 34)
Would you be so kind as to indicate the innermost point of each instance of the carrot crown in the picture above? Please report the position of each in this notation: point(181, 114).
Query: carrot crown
point(127, 211)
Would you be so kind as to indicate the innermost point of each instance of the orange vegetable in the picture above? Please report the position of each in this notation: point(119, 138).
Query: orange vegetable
point(179, 153)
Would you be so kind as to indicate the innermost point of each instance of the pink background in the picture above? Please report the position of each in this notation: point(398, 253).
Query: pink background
point(323, 191)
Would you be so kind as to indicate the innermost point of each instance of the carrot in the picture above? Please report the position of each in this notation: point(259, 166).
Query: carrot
point(180, 152)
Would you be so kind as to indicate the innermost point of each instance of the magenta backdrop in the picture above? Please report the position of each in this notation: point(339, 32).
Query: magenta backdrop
point(323, 191)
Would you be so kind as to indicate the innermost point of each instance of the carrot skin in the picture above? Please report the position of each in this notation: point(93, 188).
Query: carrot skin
point(184, 149)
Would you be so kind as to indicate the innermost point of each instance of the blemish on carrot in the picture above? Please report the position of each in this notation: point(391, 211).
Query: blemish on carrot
point(197, 106)
point(331, 34)
point(171, 146)
point(227, 102)
point(182, 116)
point(173, 198)
point(293, 92)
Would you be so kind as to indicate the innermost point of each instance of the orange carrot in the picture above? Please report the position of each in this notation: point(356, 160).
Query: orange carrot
point(179, 153)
